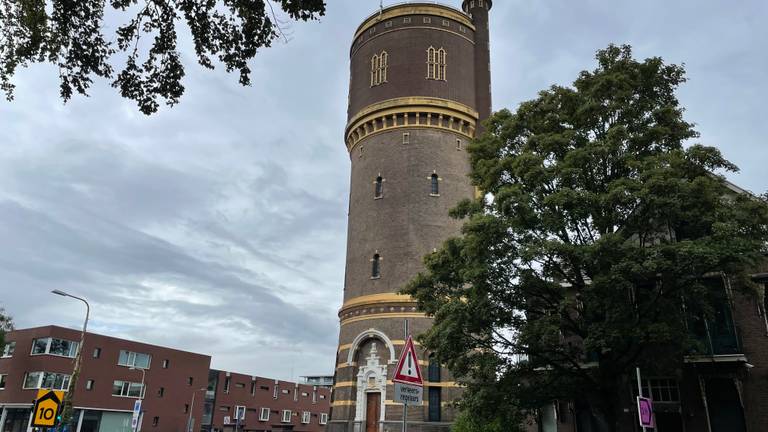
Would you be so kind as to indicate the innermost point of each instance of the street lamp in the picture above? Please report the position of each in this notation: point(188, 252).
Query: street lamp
point(192, 407)
point(143, 391)
point(66, 415)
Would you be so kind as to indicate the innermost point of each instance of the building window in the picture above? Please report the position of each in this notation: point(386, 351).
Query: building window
point(2, 381)
point(127, 389)
point(186, 408)
point(165, 364)
point(8, 349)
point(379, 63)
point(434, 404)
point(240, 412)
point(378, 189)
point(433, 373)
point(89, 385)
point(407, 20)
point(436, 62)
point(314, 396)
point(285, 391)
point(161, 392)
point(376, 266)
point(46, 380)
point(388, 24)
point(253, 388)
point(274, 392)
point(305, 416)
point(660, 389)
point(155, 421)
point(96, 352)
point(446, 23)
point(323, 418)
point(134, 359)
point(434, 185)
point(286, 416)
point(240, 385)
point(190, 380)
point(459, 145)
point(53, 346)
point(406, 138)
point(427, 20)
point(227, 382)
point(264, 414)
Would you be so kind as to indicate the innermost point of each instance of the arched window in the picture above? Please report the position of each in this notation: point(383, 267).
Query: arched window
point(378, 189)
point(431, 63)
point(434, 185)
point(383, 64)
point(379, 63)
point(376, 266)
point(374, 69)
point(436, 64)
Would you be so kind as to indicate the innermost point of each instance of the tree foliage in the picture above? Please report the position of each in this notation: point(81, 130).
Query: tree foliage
point(6, 325)
point(599, 228)
point(70, 34)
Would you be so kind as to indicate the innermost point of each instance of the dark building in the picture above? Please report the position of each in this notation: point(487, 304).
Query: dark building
point(419, 88)
point(177, 387)
point(721, 387)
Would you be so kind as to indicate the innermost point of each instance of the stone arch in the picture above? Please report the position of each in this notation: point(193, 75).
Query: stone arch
point(362, 337)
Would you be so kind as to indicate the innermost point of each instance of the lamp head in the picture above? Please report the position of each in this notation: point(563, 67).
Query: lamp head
point(60, 292)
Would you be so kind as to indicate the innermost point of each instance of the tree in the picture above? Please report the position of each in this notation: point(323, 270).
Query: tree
point(70, 35)
point(6, 325)
point(598, 229)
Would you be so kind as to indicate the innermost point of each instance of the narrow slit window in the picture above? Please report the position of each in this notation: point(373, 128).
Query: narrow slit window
point(434, 185)
point(376, 266)
point(406, 138)
point(378, 189)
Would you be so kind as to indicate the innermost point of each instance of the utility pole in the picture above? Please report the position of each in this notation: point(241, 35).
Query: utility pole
point(405, 406)
point(66, 415)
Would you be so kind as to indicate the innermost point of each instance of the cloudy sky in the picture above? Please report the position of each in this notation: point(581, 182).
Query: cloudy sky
point(219, 226)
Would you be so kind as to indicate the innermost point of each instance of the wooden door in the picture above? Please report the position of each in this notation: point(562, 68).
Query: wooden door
point(373, 412)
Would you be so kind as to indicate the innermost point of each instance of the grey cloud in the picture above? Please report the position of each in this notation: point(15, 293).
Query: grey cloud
point(225, 216)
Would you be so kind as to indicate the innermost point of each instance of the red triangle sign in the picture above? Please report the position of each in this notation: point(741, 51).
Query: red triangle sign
point(408, 370)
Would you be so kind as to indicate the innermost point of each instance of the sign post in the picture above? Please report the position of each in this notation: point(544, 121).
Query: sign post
point(408, 382)
point(47, 407)
point(644, 406)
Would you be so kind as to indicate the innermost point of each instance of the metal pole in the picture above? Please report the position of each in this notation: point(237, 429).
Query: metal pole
point(66, 415)
point(639, 390)
point(141, 396)
point(405, 406)
point(191, 407)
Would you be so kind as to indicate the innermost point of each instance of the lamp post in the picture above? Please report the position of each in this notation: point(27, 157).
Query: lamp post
point(66, 416)
point(142, 394)
point(191, 408)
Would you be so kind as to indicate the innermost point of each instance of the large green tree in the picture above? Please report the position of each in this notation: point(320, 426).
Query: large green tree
point(71, 35)
point(600, 226)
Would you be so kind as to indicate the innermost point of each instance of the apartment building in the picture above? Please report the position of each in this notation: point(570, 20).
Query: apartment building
point(178, 389)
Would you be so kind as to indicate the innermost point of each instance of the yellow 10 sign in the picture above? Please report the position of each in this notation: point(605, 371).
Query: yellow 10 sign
point(47, 407)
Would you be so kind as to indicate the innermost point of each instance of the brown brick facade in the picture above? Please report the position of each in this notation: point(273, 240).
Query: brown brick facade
point(405, 127)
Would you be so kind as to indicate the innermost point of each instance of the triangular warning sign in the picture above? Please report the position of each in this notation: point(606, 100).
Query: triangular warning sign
point(408, 370)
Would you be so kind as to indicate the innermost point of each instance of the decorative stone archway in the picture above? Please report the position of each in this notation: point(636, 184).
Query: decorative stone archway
point(371, 378)
point(368, 334)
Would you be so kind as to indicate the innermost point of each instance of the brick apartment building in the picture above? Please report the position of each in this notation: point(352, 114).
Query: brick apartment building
point(178, 387)
point(722, 388)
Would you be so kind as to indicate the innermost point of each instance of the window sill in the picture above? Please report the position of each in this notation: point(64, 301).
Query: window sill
point(135, 367)
point(375, 277)
point(126, 397)
point(49, 354)
point(378, 198)
point(434, 195)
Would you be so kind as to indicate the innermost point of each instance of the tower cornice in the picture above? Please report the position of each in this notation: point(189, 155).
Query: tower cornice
point(414, 9)
point(428, 112)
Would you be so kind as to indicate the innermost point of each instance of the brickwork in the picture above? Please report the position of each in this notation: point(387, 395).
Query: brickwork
point(404, 130)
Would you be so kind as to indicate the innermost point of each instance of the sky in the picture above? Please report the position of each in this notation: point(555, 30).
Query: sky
point(218, 226)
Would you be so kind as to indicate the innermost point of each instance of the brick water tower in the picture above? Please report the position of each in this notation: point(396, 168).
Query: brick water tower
point(419, 88)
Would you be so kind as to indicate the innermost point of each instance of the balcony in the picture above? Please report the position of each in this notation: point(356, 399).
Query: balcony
point(718, 337)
